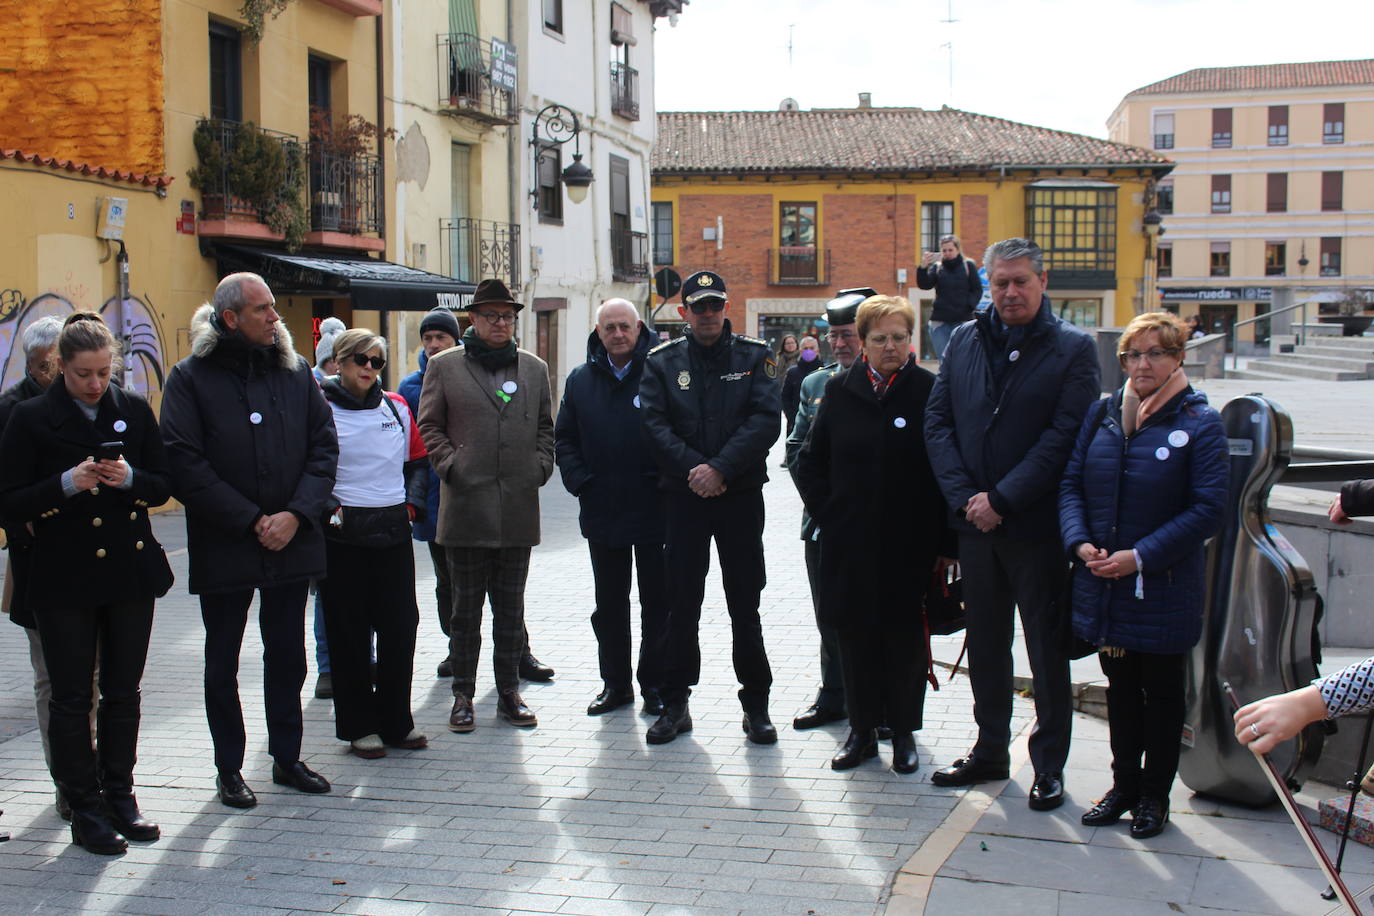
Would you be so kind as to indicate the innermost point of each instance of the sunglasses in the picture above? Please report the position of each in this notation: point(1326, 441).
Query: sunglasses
point(707, 305)
point(376, 362)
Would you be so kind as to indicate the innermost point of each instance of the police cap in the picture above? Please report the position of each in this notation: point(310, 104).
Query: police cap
point(703, 285)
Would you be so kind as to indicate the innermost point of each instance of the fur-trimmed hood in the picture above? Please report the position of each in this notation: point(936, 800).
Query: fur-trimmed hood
point(205, 338)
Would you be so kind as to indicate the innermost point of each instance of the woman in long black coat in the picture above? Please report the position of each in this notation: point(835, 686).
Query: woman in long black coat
point(81, 465)
point(865, 478)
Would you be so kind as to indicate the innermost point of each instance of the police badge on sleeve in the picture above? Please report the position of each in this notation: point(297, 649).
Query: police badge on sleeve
point(770, 367)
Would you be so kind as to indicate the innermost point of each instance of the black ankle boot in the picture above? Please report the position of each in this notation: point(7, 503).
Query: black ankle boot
point(904, 757)
point(128, 820)
point(858, 747)
point(92, 831)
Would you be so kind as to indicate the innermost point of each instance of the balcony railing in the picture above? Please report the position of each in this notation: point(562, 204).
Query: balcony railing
point(625, 91)
point(797, 266)
point(466, 87)
point(241, 176)
point(629, 255)
point(345, 192)
point(478, 249)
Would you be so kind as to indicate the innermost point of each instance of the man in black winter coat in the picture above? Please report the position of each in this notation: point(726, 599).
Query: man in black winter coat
point(711, 410)
point(1002, 419)
point(253, 453)
point(606, 463)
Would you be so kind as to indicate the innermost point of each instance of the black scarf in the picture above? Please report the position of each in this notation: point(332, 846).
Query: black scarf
point(488, 358)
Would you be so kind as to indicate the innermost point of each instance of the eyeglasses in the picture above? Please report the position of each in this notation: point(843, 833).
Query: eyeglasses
point(703, 306)
point(1154, 354)
point(496, 317)
point(376, 362)
point(833, 336)
point(882, 340)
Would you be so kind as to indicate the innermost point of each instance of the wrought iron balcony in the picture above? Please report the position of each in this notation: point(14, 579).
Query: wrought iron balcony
point(345, 192)
point(798, 266)
point(629, 255)
point(243, 171)
point(466, 87)
point(625, 91)
point(477, 249)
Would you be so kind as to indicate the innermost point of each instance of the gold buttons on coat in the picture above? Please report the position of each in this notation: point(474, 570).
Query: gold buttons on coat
point(97, 522)
point(100, 553)
point(138, 545)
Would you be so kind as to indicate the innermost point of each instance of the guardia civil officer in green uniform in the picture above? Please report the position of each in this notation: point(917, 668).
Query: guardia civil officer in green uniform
point(711, 412)
point(845, 346)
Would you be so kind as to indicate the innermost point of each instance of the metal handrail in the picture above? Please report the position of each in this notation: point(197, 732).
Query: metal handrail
point(1302, 332)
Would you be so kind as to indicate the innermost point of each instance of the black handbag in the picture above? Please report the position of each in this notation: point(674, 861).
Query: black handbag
point(944, 604)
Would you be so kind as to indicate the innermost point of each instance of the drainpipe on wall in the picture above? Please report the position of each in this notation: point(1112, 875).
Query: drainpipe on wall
point(379, 45)
point(513, 134)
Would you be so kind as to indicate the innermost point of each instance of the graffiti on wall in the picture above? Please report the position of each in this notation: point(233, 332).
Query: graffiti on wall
point(144, 367)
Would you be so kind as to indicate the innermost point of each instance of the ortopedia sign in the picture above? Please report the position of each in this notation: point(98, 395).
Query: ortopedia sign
point(504, 64)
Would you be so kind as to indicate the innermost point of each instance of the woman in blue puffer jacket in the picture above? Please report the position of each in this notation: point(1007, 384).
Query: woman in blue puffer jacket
point(1144, 489)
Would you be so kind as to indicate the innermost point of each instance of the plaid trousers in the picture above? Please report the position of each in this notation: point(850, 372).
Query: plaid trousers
point(475, 573)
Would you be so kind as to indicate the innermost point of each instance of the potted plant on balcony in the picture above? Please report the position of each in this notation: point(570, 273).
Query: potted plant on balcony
point(243, 173)
point(339, 148)
point(286, 213)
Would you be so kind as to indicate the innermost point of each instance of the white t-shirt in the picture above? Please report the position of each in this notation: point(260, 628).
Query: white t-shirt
point(373, 450)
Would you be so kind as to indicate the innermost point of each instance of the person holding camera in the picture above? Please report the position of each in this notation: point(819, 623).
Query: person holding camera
point(82, 463)
point(957, 290)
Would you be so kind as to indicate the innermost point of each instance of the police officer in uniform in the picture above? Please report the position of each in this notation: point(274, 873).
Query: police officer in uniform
point(711, 412)
point(845, 345)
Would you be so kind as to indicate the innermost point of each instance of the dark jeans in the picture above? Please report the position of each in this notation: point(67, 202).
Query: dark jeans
point(443, 585)
point(477, 572)
point(281, 618)
point(1001, 575)
point(831, 695)
point(1145, 711)
point(735, 521)
point(371, 589)
point(611, 618)
point(70, 638)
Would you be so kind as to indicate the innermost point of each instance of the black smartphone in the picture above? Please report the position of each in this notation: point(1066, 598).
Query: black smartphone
point(110, 451)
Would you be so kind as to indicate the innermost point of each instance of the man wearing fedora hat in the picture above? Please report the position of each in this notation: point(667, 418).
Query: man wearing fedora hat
point(486, 418)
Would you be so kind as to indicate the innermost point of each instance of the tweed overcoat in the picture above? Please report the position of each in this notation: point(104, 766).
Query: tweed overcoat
point(491, 455)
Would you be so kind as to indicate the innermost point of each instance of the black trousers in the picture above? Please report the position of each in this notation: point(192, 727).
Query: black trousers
point(1145, 711)
point(735, 521)
point(477, 572)
point(70, 638)
point(443, 585)
point(1000, 576)
point(371, 589)
point(611, 618)
point(831, 695)
point(281, 618)
point(884, 677)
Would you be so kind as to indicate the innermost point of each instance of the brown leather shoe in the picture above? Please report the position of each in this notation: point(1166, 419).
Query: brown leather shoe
point(510, 707)
point(460, 719)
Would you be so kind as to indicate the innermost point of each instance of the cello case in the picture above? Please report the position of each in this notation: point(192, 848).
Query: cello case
point(1259, 619)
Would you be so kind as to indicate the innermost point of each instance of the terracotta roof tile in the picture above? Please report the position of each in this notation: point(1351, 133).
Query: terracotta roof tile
point(1267, 76)
point(160, 182)
point(872, 140)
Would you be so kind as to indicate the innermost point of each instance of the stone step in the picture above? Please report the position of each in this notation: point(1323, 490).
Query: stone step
point(1332, 358)
point(1362, 344)
point(1255, 375)
point(1297, 367)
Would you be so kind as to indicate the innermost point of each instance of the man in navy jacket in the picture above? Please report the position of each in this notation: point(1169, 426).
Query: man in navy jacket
point(605, 461)
point(1014, 385)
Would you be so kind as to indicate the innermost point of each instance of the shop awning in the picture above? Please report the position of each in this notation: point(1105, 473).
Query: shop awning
point(371, 284)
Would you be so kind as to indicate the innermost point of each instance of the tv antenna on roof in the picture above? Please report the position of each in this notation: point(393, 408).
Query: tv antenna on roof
point(790, 27)
point(949, 45)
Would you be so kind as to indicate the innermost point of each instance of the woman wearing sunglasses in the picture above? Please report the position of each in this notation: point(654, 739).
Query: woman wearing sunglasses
point(1144, 488)
point(370, 580)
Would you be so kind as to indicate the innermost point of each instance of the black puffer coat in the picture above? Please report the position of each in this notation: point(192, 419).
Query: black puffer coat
point(248, 434)
point(603, 453)
point(957, 288)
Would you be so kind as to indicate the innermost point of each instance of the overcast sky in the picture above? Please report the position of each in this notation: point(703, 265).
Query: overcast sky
point(1054, 63)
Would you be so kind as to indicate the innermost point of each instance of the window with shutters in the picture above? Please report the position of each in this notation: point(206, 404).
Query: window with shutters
point(1221, 128)
point(1333, 122)
point(226, 73)
point(550, 200)
point(1221, 193)
point(553, 16)
point(629, 249)
point(1164, 130)
point(1164, 196)
point(1220, 264)
point(1331, 257)
point(1278, 125)
point(1164, 259)
point(1332, 190)
point(663, 233)
point(1276, 192)
point(1275, 259)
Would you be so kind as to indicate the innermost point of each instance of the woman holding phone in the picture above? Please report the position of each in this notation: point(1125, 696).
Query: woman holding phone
point(80, 466)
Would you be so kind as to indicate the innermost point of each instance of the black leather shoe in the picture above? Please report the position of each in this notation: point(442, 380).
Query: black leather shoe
point(817, 715)
point(460, 717)
point(674, 721)
point(968, 771)
point(93, 831)
point(445, 668)
point(610, 698)
point(299, 777)
point(857, 748)
point(324, 687)
point(884, 733)
point(1047, 792)
point(531, 669)
point(1150, 815)
point(233, 791)
point(128, 820)
point(653, 703)
point(510, 707)
point(1108, 809)
point(905, 760)
point(759, 728)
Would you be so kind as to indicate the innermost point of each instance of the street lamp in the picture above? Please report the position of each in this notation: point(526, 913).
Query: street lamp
point(554, 126)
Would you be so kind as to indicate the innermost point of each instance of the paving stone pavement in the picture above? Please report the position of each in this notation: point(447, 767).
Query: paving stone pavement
point(578, 815)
